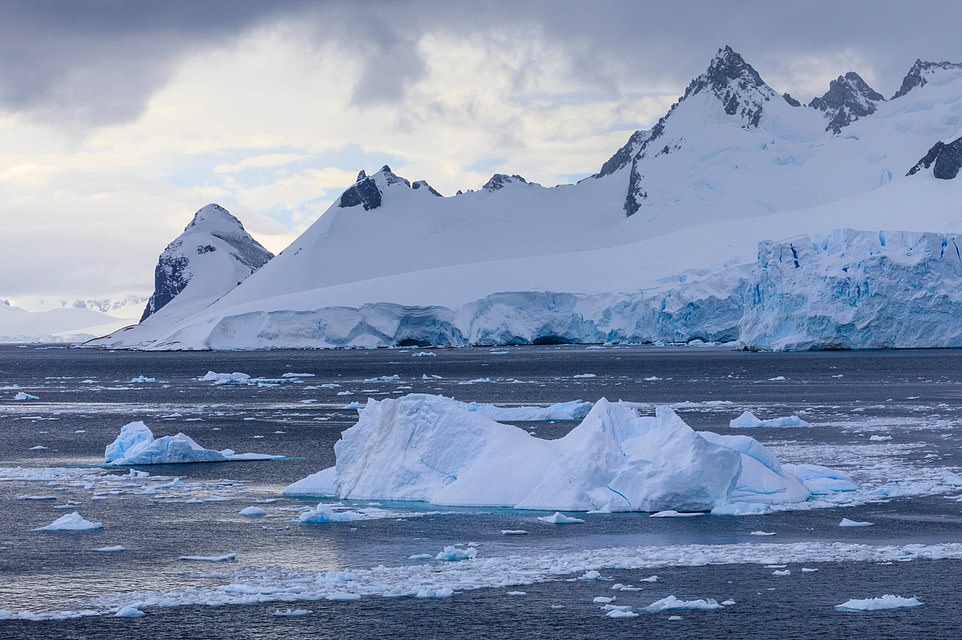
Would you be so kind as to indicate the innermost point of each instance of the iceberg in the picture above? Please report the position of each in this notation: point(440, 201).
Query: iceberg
point(22, 396)
point(748, 420)
point(71, 522)
point(136, 445)
point(430, 448)
point(888, 601)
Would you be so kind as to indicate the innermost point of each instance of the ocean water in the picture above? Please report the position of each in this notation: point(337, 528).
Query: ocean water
point(891, 419)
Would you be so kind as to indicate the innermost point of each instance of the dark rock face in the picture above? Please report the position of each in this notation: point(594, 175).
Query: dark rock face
point(625, 154)
point(171, 275)
point(947, 159)
point(790, 100)
point(916, 75)
point(174, 270)
point(364, 192)
point(848, 98)
point(423, 184)
point(501, 180)
point(736, 83)
point(636, 193)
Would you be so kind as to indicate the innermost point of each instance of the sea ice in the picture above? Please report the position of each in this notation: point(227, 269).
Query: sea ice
point(514, 532)
point(621, 613)
point(253, 512)
point(22, 396)
point(455, 554)
point(431, 448)
point(671, 603)
point(71, 522)
point(292, 613)
point(325, 513)
point(747, 420)
point(559, 518)
point(142, 380)
point(136, 445)
point(845, 522)
point(888, 601)
point(114, 549)
point(130, 611)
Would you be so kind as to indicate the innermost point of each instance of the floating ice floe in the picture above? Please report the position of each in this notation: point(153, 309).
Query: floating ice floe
point(433, 449)
point(747, 420)
point(71, 522)
point(292, 613)
point(253, 512)
point(23, 396)
point(559, 518)
point(142, 380)
point(456, 554)
point(325, 513)
point(671, 603)
point(136, 445)
point(130, 611)
point(238, 378)
point(117, 548)
point(888, 601)
point(845, 522)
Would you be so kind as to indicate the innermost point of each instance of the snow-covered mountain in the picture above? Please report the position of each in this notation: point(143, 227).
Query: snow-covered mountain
point(60, 324)
point(673, 218)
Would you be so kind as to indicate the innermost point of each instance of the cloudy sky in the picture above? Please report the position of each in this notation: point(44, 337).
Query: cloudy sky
point(119, 119)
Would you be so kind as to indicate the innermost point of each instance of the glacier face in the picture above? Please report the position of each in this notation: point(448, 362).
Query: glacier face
point(856, 290)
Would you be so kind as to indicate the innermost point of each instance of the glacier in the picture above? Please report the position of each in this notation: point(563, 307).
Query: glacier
point(740, 216)
point(430, 448)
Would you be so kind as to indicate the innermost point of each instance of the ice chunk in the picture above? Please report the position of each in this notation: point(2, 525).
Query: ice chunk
point(71, 522)
point(559, 518)
point(517, 593)
point(136, 445)
point(130, 611)
point(325, 513)
point(117, 548)
point(854, 523)
point(142, 380)
point(671, 603)
point(253, 512)
point(603, 600)
point(781, 572)
point(621, 613)
point(514, 532)
point(292, 613)
point(671, 513)
point(455, 554)
point(888, 601)
point(432, 449)
point(747, 420)
point(22, 396)
point(762, 533)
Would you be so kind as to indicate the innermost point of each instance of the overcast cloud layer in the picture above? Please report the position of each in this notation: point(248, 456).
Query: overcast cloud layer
point(119, 119)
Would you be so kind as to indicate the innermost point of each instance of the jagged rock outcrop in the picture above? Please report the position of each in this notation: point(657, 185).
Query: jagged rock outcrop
point(848, 98)
point(501, 180)
point(368, 191)
point(214, 252)
point(920, 72)
point(947, 159)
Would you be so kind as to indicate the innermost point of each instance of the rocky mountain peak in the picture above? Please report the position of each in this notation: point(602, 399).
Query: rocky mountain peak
point(848, 98)
point(501, 180)
point(947, 158)
point(214, 216)
point(736, 84)
point(918, 74)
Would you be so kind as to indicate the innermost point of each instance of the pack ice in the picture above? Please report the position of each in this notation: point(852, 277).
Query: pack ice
point(136, 445)
point(430, 448)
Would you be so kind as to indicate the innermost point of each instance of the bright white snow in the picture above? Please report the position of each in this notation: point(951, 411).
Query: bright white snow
point(71, 522)
point(136, 445)
point(888, 601)
point(747, 420)
point(430, 448)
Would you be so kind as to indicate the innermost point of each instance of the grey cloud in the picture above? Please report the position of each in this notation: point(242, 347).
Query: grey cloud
point(99, 62)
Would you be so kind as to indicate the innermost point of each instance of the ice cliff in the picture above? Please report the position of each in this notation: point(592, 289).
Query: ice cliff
point(430, 448)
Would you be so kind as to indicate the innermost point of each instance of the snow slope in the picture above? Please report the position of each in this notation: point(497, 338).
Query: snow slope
point(655, 246)
point(65, 324)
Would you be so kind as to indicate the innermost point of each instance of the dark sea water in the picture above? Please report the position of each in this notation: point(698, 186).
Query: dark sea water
point(891, 419)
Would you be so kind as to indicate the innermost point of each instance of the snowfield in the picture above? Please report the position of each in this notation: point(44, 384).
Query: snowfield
point(740, 216)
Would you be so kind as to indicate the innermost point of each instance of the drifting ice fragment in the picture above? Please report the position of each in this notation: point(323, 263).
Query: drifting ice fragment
point(888, 601)
point(253, 512)
point(25, 397)
point(114, 549)
point(227, 557)
point(292, 613)
point(454, 554)
point(130, 611)
point(559, 518)
point(854, 523)
point(136, 445)
point(671, 603)
point(747, 420)
point(71, 522)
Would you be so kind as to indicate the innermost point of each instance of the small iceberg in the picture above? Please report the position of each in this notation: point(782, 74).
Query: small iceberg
point(748, 420)
point(227, 557)
point(71, 522)
point(888, 601)
point(136, 445)
point(25, 397)
point(671, 603)
point(456, 554)
point(292, 613)
point(559, 518)
point(845, 522)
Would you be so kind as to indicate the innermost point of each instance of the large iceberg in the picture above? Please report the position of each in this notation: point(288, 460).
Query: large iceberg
point(430, 448)
point(136, 445)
